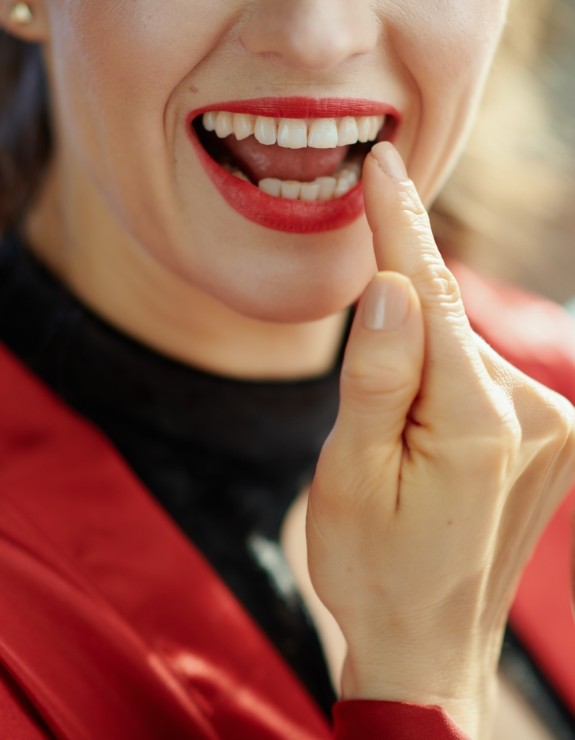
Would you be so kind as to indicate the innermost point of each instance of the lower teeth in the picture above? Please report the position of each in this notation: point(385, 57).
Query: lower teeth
point(322, 188)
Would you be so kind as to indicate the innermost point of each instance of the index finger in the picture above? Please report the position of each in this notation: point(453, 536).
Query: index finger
point(404, 243)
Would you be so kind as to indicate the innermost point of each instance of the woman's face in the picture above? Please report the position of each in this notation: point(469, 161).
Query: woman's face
point(132, 79)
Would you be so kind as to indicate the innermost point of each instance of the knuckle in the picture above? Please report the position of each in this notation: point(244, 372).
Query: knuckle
point(527, 410)
point(562, 421)
point(442, 281)
point(493, 444)
point(502, 415)
point(361, 380)
point(436, 280)
point(356, 374)
point(556, 442)
point(548, 414)
point(547, 425)
point(412, 207)
point(509, 431)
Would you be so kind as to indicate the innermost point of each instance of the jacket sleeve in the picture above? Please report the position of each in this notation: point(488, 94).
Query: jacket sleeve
point(387, 720)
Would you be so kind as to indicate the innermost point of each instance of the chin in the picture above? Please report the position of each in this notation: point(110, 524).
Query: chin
point(300, 298)
point(262, 273)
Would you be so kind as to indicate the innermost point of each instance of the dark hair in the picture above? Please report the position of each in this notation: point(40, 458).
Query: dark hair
point(25, 138)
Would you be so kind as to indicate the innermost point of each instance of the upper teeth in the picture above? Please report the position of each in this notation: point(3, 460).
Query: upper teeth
point(295, 133)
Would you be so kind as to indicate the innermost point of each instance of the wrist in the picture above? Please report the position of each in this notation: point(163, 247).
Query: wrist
point(465, 688)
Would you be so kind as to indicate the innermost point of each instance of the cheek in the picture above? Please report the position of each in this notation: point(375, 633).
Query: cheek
point(137, 43)
point(118, 71)
point(450, 40)
point(445, 48)
point(117, 65)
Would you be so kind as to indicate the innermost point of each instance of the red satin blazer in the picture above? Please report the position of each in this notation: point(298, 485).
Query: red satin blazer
point(113, 626)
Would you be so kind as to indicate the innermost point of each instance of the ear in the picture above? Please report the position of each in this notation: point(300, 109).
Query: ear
point(27, 20)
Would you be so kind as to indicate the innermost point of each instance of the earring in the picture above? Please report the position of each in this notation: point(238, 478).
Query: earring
point(21, 14)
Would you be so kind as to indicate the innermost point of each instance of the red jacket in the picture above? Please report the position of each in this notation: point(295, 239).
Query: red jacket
point(113, 626)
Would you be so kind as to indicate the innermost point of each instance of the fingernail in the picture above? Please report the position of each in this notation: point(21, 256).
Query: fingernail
point(386, 304)
point(387, 157)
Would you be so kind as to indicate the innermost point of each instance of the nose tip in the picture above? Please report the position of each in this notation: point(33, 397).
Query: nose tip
point(309, 34)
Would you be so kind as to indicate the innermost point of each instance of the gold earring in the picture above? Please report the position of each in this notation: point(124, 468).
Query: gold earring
point(21, 13)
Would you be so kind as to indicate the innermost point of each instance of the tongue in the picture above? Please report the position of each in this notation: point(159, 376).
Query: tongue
point(259, 161)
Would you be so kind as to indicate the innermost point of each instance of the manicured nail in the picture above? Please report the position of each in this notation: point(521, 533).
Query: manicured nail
point(386, 304)
point(387, 157)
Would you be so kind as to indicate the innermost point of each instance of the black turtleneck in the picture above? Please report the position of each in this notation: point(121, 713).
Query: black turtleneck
point(224, 457)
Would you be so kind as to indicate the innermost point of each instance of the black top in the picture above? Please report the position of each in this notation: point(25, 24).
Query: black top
point(224, 457)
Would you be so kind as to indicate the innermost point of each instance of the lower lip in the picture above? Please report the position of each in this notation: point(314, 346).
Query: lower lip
point(280, 214)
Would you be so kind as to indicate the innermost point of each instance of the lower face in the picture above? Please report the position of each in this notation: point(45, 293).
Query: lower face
point(229, 151)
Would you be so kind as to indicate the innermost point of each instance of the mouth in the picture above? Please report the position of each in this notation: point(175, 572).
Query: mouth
point(291, 164)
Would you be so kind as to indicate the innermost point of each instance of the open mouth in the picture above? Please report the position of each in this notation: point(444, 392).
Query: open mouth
point(293, 153)
point(294, 158)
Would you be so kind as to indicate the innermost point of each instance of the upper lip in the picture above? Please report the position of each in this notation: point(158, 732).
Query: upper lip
point(301, 107)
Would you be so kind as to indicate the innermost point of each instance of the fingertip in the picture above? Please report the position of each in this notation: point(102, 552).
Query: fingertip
point(389, 161)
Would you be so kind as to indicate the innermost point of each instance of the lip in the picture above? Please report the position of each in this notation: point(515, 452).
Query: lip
point(281, 214)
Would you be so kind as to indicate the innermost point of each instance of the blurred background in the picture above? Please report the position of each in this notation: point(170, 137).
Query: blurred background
point(509, 209)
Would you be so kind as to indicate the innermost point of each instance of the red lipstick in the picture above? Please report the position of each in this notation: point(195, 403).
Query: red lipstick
point(282, 214)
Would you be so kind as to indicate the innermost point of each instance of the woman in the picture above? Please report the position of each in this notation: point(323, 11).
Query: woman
point(198, 236)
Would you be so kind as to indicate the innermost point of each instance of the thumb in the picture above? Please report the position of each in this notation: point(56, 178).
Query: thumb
point(382, 366)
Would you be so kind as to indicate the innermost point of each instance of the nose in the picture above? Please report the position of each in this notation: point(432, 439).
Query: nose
point(316, 35)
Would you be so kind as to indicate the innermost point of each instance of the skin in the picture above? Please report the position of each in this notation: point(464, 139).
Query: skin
point(138, 219)
point(445, 463)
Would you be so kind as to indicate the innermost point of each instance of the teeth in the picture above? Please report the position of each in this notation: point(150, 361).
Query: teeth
point(209, 120)
point(327, 187)
point(347, 131)
point(265, 130)
point(243, 126)
point(240, 175)
point(322, 188)
point(271, 186)
point(292, 133)
point(237, 173)
point(295, 133)
point(363, 128)
point(309, 191)
point(290, 189)
point(224, 124)
point(322, 133)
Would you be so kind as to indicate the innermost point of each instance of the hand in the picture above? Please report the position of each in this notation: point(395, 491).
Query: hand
point(442, 469)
